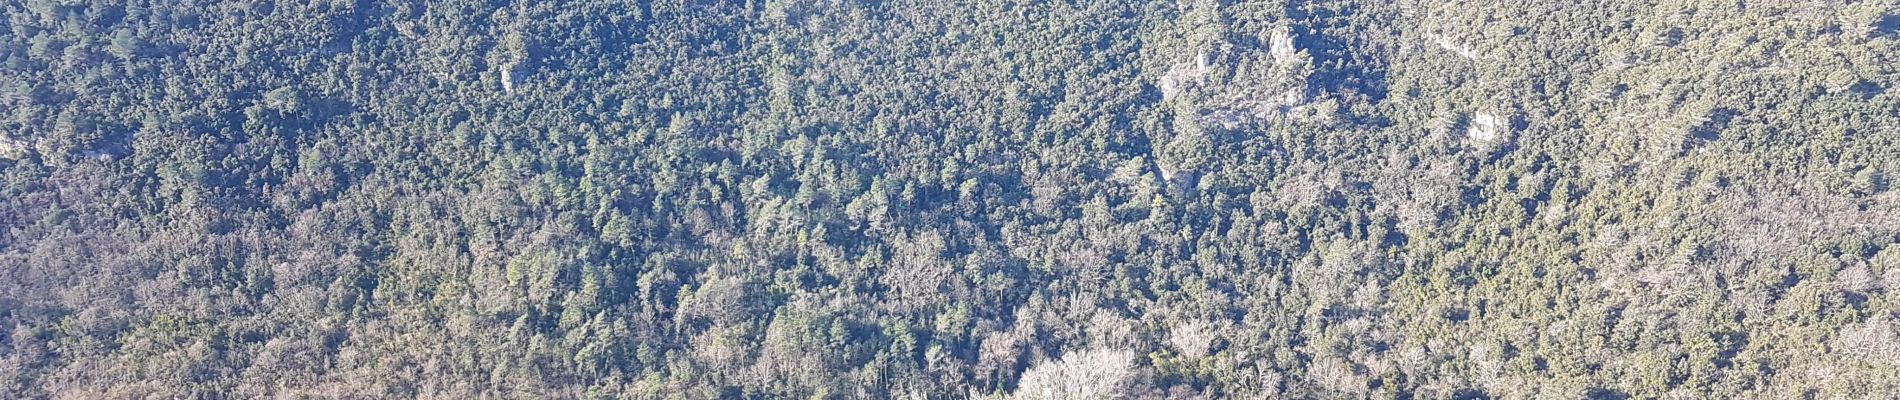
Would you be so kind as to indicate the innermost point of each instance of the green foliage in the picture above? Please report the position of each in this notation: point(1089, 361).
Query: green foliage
point(819, 199)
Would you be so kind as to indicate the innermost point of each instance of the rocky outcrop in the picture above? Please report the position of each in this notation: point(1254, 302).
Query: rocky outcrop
point(1486, 127)
point(1280, 45)
point(1182, 75)
point(508, 79)
point(1459, 49)
point(1230, 85)
point(11, 148)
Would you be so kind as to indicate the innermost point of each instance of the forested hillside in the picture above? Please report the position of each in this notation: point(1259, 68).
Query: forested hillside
point(946, 199)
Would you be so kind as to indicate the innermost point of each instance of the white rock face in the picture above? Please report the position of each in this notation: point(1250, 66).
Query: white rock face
point(1180, 76)
point(11, 149)
point(1280, 45)
point(1485, 128)
point(508, 79)
point(1224, 85)
point(1447, 44)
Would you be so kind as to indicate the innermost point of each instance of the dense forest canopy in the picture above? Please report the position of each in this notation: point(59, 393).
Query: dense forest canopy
point(948, 199)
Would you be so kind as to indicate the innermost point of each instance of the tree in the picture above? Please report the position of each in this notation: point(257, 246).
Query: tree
point(1084, 374)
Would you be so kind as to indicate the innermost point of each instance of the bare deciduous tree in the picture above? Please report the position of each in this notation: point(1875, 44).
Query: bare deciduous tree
point(1086, 374)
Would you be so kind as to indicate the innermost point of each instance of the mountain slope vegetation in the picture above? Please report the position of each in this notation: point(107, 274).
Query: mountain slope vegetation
point(926, 199)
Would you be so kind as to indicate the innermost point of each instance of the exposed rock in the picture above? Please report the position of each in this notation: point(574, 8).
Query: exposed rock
point(1181, 75)
point(1280, 45)
point(1226, 85)
point(12, 149)
point(508, 79)
point(1294, 96)
point(1486, 127)
point(99, 154)
point(1228, 118)
point(1447, 44)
